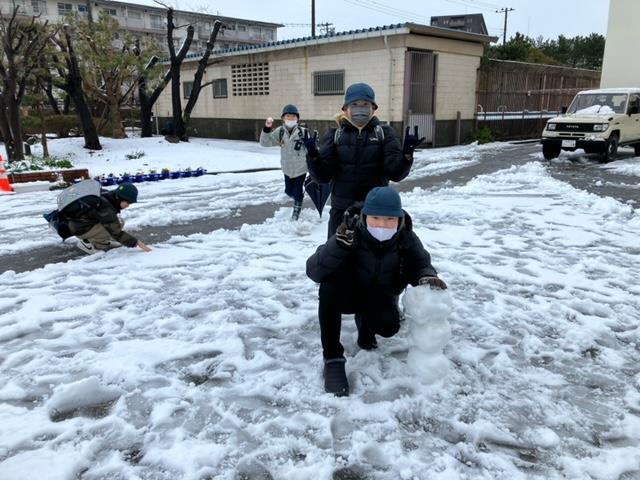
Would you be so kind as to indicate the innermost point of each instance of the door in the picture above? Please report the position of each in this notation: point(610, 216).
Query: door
point(420, 93)
point(633, 121)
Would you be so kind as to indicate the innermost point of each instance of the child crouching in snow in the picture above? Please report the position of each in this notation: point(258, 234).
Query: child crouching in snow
point(289, 136)
point(362, 269)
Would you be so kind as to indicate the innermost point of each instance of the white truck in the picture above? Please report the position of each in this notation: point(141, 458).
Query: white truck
point(597, 121)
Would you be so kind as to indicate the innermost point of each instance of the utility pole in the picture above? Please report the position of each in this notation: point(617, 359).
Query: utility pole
point(326, 28)
point(506, 11)
point(313, 18)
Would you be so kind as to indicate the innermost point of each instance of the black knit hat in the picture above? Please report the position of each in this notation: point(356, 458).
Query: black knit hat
point(359, 91)
point(383, 202)
point(127, 192)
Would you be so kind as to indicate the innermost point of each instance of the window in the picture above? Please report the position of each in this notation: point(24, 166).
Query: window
point(242, 28)
point(82, 9)
point(38, 6)
point(65, 9)
point(267, 34)
point(110, 11)
point(250, 79)
point(329, 82)
point(220, 88)
point(186, 89)
point(134, 14)
point(156, 21)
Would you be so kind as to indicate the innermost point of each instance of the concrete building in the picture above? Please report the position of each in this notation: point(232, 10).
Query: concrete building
point(422, 75)
point(473, 23)
point(146, 18)
point(619, 69)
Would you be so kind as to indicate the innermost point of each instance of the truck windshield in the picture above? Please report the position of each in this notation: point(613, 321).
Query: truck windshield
point(598, 103)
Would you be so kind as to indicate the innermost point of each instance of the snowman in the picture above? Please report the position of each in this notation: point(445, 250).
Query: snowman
point(427, 310)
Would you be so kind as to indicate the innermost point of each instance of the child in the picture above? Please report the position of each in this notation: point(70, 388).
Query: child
point(359, 154)
point(290, 137)
point(362, 269)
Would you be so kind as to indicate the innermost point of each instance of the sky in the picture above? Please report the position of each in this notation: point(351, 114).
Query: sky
point(548, 18)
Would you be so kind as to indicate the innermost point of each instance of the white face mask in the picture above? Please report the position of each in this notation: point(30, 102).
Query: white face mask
point(381, 234)
point(291, 123)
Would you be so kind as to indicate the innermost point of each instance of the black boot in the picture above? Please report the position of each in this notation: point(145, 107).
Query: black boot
point(366, 338)
point(335, 378)
point(297, 207)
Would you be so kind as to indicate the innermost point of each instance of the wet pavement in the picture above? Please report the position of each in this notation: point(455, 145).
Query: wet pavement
point(581, 171)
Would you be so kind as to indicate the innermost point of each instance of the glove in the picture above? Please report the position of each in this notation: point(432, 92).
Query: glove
point(411, 141)
point(346, 231)
point(433, 282)
point(310, 143)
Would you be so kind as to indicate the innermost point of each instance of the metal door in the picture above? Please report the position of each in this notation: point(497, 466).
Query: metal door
point(420, 93)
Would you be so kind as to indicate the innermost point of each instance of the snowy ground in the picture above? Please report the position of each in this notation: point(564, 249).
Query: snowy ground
point(201, 359)
point(181, 201)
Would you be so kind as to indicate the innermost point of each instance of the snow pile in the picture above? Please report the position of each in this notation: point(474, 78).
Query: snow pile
point(624, 167)
point(427, 311)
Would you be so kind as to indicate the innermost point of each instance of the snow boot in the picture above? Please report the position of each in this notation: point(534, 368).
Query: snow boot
point(297, 207)
point(366, 338)
point(335, 378)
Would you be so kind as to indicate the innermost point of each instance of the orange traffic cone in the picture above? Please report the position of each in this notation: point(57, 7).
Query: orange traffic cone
point(5, 185)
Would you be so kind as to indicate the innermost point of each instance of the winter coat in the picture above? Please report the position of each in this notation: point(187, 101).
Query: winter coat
point(82, 214)
point(292, 150)
point(371, 266)
point(358, 163)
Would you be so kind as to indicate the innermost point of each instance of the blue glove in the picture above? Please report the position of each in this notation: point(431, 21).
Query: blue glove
point(411, 141)
point(311, 143)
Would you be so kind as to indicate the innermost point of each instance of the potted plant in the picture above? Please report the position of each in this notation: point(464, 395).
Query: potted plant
point(199, 172)
point(165, 173)
point(187, 172)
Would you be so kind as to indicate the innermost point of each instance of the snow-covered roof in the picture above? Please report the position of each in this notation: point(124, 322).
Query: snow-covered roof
point(386, 30)
point(613, 90)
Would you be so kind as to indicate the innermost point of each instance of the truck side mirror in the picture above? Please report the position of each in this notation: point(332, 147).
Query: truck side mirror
point(564, 110)
point(634, 109)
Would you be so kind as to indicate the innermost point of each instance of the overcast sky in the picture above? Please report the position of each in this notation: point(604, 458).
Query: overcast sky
point(548, 18)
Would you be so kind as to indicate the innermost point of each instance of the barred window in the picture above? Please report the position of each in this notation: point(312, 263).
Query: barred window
point(220, 88)
point(250, 79)
point(329, 82)
point(65, 9)
point(186, 89)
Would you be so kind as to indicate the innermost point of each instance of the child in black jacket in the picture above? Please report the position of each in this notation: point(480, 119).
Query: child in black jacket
point(362, 269)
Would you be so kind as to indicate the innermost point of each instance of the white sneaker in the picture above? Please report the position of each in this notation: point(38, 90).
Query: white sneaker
point(86, 247)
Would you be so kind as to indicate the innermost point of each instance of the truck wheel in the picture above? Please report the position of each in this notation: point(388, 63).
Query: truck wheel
point(612, 149)
point(550, 152)
point(636, 148)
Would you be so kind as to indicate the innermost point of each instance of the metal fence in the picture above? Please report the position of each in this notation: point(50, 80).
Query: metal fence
point(515, 98)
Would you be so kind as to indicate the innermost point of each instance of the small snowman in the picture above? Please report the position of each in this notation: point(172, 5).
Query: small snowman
point(427, 310)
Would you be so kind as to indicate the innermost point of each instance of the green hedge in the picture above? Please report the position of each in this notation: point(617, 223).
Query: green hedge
point(61, 125)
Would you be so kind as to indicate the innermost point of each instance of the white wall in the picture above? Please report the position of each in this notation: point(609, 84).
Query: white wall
point(620, 66)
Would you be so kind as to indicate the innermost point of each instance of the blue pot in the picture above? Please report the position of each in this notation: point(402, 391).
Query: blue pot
point(175, 175)
point(199, 172)
point(124, 178)
point(138, 178)
point(186, 174)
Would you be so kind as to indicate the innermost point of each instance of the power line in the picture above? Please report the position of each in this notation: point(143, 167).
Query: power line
point(465, 4)
point(506, 11)
point(378, 7)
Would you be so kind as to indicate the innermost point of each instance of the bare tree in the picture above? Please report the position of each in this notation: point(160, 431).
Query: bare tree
point(21, 46)
point(149, 98)
point(71, 82)
point(203, 63)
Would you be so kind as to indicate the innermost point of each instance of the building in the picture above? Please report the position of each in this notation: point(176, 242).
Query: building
point(466, 23)
point(618, 67)
point(146, 18)
point(422, 75)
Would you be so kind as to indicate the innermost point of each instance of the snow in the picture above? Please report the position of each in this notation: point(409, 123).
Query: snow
point(629, 167)
point(202, 359)
point(21, 222)
point(595, 110)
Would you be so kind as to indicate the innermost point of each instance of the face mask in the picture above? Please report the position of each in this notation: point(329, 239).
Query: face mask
point(360, 115)
point(291, 123)
point(381, 234)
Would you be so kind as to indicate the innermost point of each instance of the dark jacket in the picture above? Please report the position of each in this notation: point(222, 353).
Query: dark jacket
point(371, 265)
point(82, 214)
point(358, 163)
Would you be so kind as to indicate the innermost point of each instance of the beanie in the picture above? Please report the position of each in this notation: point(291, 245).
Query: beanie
point(383, 202)
point(292, 109)
point(127, 192)
point(359, 91)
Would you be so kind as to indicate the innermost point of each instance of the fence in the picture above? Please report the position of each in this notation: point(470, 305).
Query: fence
point(515, 99)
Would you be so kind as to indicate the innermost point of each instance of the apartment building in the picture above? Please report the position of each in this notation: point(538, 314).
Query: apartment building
point(146, 18)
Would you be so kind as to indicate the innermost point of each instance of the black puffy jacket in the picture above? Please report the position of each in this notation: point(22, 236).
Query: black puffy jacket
point(82, 214)
point(358, 163)
point(372, 266)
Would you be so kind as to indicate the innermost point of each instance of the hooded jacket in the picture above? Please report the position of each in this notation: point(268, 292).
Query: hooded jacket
point(82, 214)
point(358, 163)
point(293, 152)
point(372, 266)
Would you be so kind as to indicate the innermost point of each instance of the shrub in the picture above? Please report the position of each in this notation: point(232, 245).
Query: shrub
point(484, 135)
point(134, 155)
